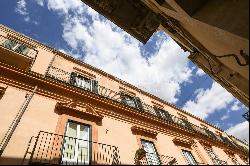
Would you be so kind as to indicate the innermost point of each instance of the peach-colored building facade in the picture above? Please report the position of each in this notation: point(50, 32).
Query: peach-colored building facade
point(55, 109)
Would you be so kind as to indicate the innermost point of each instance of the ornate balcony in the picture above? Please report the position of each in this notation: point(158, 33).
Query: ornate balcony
point(219, 162)
point(145, 158)
point(48, 148)
point(63, 76)
point(16, 53)
point(151, 159)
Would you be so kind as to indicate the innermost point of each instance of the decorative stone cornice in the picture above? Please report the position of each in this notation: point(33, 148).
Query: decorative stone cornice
point(84, 73)
point(143, 131)
point(205, 143)
point(229, 152)
point(183, 140)
point(80, 108)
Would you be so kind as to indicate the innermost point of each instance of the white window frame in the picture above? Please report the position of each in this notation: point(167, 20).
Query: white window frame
point(156, 156)
point(78, 140)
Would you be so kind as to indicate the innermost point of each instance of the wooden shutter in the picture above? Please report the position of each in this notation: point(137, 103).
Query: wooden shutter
point(94, 86)
point(73, 76)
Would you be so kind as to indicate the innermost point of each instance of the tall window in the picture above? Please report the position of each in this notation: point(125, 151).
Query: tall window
point(83, 82)
point(161, 113)
point(126, 99)
point(151, 154)
point(189, 157)
point(131, 101)
point(213, 156)
point(76, 148)
point(15, 46)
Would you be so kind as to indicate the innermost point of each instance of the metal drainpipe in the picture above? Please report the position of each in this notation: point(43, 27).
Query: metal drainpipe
point(15, 122)
point(50, 64)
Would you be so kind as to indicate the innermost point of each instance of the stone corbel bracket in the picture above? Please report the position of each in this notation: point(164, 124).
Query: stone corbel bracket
point(143, 131)
point(184, 141)
point(79, 109)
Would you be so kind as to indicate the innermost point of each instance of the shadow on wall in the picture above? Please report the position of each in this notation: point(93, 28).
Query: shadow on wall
point(12, 161)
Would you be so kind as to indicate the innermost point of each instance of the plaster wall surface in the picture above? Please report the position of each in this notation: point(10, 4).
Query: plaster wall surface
point(118, 133)
point(10, 104)
point(39, 116)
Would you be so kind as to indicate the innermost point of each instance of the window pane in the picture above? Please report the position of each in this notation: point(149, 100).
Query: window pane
point(162, 114)
point(23, 49)
point(83, 82)
point(83, 147)
point(70, 141)
point(76, 149)
point(151, 154)
point(128, 100)
point(94, 86)
point(190, 158)
point(78, 81)
point(87, 84)
point(10, 44)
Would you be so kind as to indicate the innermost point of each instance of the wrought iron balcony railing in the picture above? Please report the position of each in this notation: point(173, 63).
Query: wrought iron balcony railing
point(218, 161)
point(152, 159)
point(17, 47)
point(48, 148)
point(63, 76)
point(22, 55)
point(246, 116)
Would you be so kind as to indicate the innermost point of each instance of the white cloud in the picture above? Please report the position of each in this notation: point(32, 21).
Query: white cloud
point(40, 2)
point(27, 19)
point(64, 6)
point(200, 72)
point(240, 130)
point(21, 8)
point(109, 48)
point(209, 101)
point(237, 106)
point(225, 116)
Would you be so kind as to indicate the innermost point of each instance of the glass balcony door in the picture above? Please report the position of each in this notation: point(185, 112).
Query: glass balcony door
point(80, 81)
point(76, 148)
point(83, 82)
point(151, 154)
point(189, 157)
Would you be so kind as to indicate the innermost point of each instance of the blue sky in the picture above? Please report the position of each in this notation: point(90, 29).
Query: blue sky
point(160, 66)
